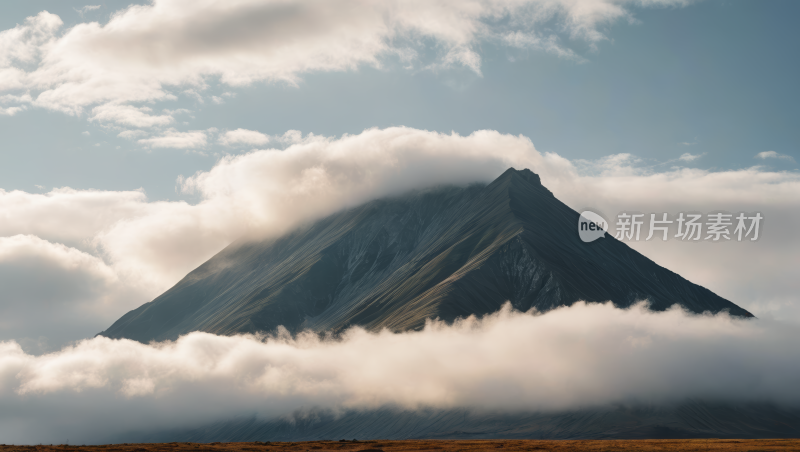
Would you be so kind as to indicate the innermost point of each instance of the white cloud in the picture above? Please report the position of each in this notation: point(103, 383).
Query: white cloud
point(687, 157)
point(611, 165)
point(178, 140)
point(773, 155)
point(86, 9)
point(53, 293)
point(23, 246)
point(549, 44)
point(129, 115)
point(23, 43)
point(65, 215)
point(277, 189)
point(582, 356)
point(291, 137)
point(132, 134)
point(176, 111)
point(243, 136)
point(21, 101)
point(10, 111)
point(150, 52)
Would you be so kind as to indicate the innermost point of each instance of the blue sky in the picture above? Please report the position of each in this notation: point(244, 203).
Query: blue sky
point(716, 79)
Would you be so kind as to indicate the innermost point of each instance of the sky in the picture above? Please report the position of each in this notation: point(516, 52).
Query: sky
point(139, 139)
point(713, 79)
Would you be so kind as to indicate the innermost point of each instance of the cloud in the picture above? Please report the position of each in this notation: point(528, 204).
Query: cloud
point(20, 99)
point(687, 157)
point(611, 165)
point(155, 51)
point(549, 44)
point(278, 189)
point(53, 293)
point(132, 134)
point(86, 9)
point(243, 136)
point(65, 215)
point(570, 358)
point(57, 283)
point(23, 43)
point(151, 245)
point(774, 155)
point(10, 111)
point(178, 140)
point(129, 116)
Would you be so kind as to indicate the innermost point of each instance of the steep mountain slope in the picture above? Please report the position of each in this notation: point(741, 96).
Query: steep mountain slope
point(392, 263)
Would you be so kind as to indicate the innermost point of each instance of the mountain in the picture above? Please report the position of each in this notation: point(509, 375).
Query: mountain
point(448, 252)
point(689, 419)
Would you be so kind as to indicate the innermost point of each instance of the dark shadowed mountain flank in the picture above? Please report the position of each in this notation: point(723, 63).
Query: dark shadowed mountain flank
point(690, 419)
point(446, 252)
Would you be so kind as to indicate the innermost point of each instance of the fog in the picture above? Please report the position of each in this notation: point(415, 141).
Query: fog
point(576, 357)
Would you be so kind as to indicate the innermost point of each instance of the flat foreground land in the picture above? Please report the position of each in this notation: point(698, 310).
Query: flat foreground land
point(438, 445)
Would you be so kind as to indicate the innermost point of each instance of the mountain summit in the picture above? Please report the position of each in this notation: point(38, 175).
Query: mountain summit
point(392, 263)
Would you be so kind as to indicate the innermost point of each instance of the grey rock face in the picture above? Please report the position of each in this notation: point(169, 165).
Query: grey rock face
point(448, 252)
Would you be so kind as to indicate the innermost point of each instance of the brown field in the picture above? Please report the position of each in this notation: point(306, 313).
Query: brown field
point(438, 446)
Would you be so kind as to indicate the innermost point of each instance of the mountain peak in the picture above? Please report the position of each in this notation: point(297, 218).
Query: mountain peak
point(523, 180)
point(523, 174)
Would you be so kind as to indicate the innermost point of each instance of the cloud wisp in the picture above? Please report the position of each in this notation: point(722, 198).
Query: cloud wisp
point(570, 358)
point(240, 137)
point(688, 157)
point(774, 155)
point(172, 138)
point(86, 9)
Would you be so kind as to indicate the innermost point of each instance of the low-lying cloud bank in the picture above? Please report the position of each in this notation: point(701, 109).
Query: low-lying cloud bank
point(570, 358)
